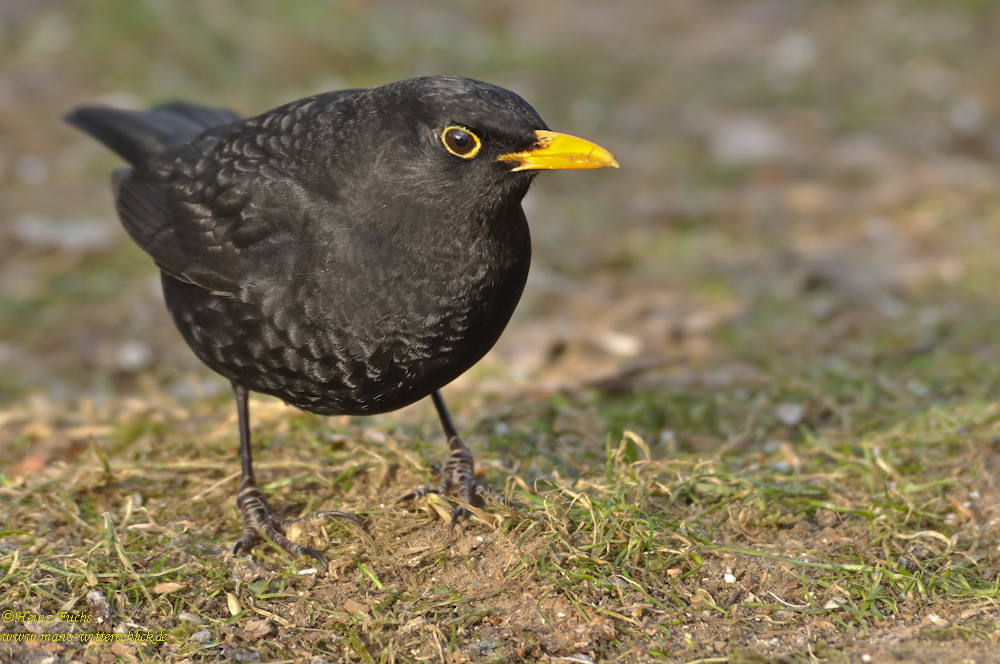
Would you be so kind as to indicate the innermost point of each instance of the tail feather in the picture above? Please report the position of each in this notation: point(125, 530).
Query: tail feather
point(138, 136)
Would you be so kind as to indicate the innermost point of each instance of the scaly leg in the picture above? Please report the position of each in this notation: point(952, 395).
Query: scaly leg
point(258, 520)
point(458, 474)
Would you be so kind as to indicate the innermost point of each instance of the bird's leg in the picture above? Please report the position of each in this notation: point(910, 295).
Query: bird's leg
point(258, 521)
point(459, 473)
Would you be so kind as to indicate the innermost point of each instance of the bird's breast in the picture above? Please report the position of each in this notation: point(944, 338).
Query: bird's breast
point(358, 332)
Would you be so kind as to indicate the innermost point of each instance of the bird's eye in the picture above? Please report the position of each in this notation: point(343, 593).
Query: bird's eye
point(461, 142)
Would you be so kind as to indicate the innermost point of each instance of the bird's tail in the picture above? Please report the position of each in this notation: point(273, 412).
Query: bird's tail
point(138, 136)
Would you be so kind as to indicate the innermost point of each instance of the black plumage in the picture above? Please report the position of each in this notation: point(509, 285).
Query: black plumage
point(349, 253)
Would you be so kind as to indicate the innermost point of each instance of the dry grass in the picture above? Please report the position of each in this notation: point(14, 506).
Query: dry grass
point(798, 549)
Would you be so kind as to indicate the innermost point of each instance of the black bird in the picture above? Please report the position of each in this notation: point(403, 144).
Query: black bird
point(350, 252)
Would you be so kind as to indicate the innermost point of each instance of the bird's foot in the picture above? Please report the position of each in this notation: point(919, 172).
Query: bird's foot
point(459, 480)
point(260, 523)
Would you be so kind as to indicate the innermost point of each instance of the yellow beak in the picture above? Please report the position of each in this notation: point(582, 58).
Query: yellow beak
point(560, 151)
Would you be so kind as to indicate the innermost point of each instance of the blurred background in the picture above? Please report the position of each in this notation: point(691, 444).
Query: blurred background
point(808, 194)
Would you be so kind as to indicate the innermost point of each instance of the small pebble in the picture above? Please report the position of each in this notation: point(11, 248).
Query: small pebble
point(790, 414)
point(202, 635)
point(190, 617)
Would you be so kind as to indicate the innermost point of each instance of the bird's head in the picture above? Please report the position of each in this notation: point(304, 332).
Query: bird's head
point(463, 139)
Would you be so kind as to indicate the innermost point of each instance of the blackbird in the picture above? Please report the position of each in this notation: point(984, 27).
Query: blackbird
point(349, 253)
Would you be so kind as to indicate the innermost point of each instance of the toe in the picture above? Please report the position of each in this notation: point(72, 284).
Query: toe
point(417, 493)
point(305, 550)
point(458, 514)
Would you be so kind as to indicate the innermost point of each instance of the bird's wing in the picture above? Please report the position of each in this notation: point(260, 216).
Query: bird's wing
point(210, 211)
point(208, 233)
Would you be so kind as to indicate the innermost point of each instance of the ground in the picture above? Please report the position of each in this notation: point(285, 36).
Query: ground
point(747, 410)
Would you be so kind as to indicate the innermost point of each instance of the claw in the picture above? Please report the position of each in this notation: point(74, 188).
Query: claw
point(315, 554)
point(260, 523)
point(458, 481)
point(459, 478)
point(459, 513)
point(351, 520)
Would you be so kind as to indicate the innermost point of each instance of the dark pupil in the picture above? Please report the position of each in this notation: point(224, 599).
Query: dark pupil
point(460, 139)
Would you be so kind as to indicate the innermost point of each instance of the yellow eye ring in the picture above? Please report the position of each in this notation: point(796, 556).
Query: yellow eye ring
point(461, 142)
